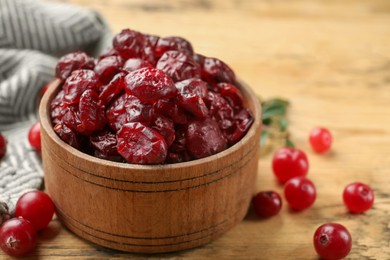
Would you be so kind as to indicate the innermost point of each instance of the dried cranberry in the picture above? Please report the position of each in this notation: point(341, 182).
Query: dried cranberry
point(105, 146)
point(231, 93)
point(140, 144)
point(106, 68)
point(129, 44)
point(73, 61)
point(178, 65)
point(153, 39)
point(150, 85)
point(242, 122)
point(191, 94)
point(71, 117)
point(108, 53)
point(91, 113)
point(170, 109)
point(112, 89)
point(57, 111)
point(77, 83)
point(199, 59)
point(220, 110)
point(177, 151)
point(172, 43)
point(67, 135)
point(204, 138)
point(165, 127)
point(215, 71)
point(136, 64)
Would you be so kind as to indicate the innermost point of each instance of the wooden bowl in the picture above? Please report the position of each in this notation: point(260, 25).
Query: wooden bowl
point(150, 209)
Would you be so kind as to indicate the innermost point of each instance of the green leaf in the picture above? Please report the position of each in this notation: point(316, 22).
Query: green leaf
point(289, 143)
point(263, 137)
point(283, 124)
point(274, 107)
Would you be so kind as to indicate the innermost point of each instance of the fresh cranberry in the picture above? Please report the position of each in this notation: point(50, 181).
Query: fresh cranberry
point(215, 71)
point(107, 68)
point(300, 193)
point(172, 44)
point(36, 207)
point(320, 139)
point(34, 137)
point(358, 197)
point(170, 109)
point(332, 241)
point(140, 144)
point(3, 146)
point(288, 163)
point(165, 127)
point(73, 61)
point(190, 96)
point(68, 135)
point(150, 85)
point(17, 237)
point(232, 94)
point(220, 110)
point(267, 204)
point(92, 114)
point(129, 44)
point(112, 89)
point(204, 138)
point(178, 65)
point(104, 145)
point(136, 64)
point(77, 83)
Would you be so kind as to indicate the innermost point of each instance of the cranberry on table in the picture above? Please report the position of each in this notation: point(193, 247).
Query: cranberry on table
point(36, 207)
point(34, 137)
point(3, 146)
point(320, 139)
point(300, 193)
point(332, 241)
point(288, 163)
point(358, 197)
point(73, 61)
point(267, 204)
point(17, 237)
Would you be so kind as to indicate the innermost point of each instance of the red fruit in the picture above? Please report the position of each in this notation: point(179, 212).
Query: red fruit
point(220, 110)
point(112, 89)
point(267, 204)
point(17, 237)
point(242, 122)
point(140, 144)
point(92, 116)
point(215, 71)
point(136, 64)
point(320, 139)
point(104, 145)
point(77, 83)
point(191, 94)
point(73, 61)
point(129, 44)
point(68, 135)
point(107, 67)
point(204, 138)
point(232, 94)
point(34, 137)
point(108, 53)
point(36, 207)
point(57, 112)
point(332, 241)
point(171, 110)
point(164, 127)
point(150, 85)
point(178, 65)
point(289, 163)
point(358, 197)
point(3, 146)
point(172, 43)
point(300, 193)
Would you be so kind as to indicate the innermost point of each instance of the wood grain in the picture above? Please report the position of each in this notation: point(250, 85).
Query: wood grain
point(331, 59)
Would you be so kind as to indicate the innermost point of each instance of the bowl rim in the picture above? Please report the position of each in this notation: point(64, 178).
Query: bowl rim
point(45, 119)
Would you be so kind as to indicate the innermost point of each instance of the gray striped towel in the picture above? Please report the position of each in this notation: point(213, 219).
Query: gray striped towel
point(33, 34)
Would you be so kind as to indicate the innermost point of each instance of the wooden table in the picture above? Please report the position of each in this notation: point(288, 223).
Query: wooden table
point(331, 59)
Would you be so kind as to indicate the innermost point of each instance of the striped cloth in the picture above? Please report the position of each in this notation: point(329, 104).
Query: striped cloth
point(33, 34)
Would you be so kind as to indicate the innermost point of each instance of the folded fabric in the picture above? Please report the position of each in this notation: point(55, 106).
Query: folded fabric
point(33, 34)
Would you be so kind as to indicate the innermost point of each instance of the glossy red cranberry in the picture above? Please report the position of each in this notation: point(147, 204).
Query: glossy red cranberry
point(320, 139)
point(153, 39)
point(242, 122)
point(165, 127)
point(300, 193)
point(3, 146)
point(358, 197)
point(17, 237)
point(104, 145)
point(73, 61)
point(107, 68)
point(77, 83)
point(171, 110)
point(220, 110)
point(108, 53)
point(204, 138)
point(68, 135)
point(140, 144)
point(232, 94)
point(136, 64)
point(190, 96)
point(129, 44)
point(215, 71)
point(267, 204)
point(150, 85)
point(36, 207)
point(172, 44)
point(332, 241)
point(34, 137)
point(57, 111)
point(113, 89)
point(178, 65)
point(92, 114)
point(288, 163)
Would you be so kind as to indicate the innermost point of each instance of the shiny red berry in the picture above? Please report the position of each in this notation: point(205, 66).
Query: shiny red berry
point(36, 207)
point(300, 193)
point(107, 67)
point(73, 61)
point(172, 43)
point(288, 163)
point(78, 82)
point(358, 197)
point(129, 44)
point(332, 241)
point(267, 204)
point(34, 137)
point(320, 139)
point(215, 71)
point(3, 146)
point(17, 237)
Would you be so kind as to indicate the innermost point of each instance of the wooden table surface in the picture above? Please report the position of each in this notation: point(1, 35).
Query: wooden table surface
point(331, 59)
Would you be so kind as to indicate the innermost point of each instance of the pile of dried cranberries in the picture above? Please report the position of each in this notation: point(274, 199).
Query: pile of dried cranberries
point(148, 100)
